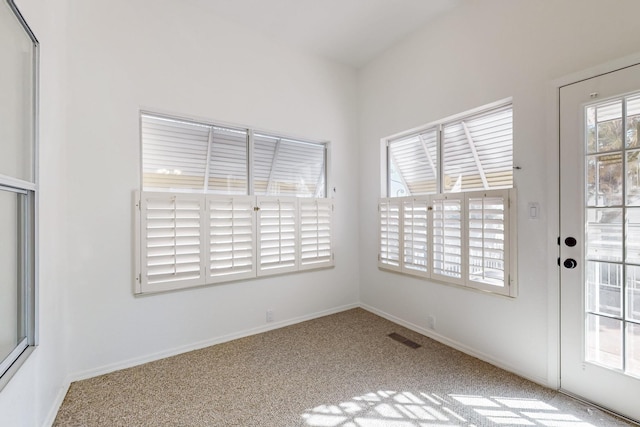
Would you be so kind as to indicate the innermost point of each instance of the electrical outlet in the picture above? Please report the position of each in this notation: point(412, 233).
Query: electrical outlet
point(431, 322)
point(269, 315)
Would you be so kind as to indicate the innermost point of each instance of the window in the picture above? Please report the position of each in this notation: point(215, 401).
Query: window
point(224, 203)
point(18, 190)
point(448, 213)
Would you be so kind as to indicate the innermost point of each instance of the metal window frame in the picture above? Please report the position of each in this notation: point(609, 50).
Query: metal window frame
point(29, 225)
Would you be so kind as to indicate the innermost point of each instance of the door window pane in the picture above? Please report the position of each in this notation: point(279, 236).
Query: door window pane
point(633, 177)
point(633, 349)
point(604, 234)
point(604, 341)
point(604, 284)
point(604, 180)
point(633, 293)
point(633, 122)
point(609, 126)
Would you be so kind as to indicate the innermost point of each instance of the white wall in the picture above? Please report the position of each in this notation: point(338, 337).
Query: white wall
point(174, 57)
point(33, 393)
point(101, 62)
point(481, 52)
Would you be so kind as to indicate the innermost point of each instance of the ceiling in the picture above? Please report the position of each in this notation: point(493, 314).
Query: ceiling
point(349, 31)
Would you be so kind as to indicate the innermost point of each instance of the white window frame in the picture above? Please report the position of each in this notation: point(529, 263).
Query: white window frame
point(438, 126)
point(303, 232)
point(400, 228)
point(28, 194)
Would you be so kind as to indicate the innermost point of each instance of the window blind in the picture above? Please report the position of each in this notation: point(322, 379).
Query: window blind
point(389, 228)
point(231, 238)
point(447, 236)
point(277, 234)
point(488, 242)
point(173, 241)
point(415, 227)
point(315, 219)
point(464, 239)
point(185, 240)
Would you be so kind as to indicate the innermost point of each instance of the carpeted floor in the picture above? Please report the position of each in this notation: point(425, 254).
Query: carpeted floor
point(340, 370)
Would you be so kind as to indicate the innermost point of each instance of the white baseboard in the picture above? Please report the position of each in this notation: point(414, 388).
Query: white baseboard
point(458, 346)
point(57, 403)
point(78, 376)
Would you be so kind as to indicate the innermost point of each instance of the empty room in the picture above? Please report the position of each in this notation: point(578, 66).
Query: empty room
point(351, 213)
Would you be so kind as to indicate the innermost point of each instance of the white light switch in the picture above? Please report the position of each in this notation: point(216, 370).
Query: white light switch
point(534, 210)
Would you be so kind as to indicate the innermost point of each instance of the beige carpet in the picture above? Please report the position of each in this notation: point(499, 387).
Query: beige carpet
point(340, 370)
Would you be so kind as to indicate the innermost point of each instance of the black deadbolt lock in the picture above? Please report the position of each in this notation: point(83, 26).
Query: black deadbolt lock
point(570, 241)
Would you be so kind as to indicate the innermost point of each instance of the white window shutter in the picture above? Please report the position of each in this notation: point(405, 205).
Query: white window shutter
point(231, 238)
point(390, 234)
point(448, 237)
point(416, 237)
point(488, 240)
point(316, 240)
point(277, 235)
point(172, 246)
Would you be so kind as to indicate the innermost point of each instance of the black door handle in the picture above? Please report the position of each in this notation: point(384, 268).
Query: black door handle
point(570, 263)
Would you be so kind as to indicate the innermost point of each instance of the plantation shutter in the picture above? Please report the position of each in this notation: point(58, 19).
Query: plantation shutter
point(231, 238)
point(488, 239)
point(172, 245)
point(389, 229)
point(415, 223)
point(447, 226)
point(415, 159)
point(478, 152)
point(174, 154)
point(277, 235)
point(315, 219)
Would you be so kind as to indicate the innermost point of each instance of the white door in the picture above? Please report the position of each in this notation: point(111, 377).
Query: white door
point(600, 240)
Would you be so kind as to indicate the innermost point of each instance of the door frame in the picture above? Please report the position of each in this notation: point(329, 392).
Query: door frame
point(553, 200)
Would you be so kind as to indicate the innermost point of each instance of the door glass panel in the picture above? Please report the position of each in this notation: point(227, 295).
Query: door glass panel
point(604, 284)
point(633, 293)
point(609, 126)
point(633, 121)
point(604, 180)
point(633, 349)
point(632, 239)
point(612, 244)
point(633, 177)
point(604, 234)
point(604, 341)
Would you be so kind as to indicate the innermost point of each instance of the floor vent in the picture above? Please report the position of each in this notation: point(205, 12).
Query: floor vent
point(403, 340)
